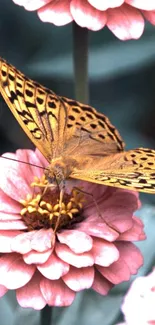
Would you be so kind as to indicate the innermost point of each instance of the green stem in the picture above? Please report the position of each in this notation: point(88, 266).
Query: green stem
point(80, 57)
point(46, 316)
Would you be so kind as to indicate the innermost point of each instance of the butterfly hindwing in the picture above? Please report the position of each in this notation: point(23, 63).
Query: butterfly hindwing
point(133, 169)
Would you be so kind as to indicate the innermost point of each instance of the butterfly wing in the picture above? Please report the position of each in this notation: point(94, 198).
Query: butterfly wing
point(133, 169)
point(88, 130)
point(37, 109)
point(56, 125)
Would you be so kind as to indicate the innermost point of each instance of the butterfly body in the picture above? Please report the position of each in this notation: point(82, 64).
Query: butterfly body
point(77, 141)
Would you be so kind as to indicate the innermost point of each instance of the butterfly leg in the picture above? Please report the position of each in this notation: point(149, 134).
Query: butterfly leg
point(96, 205)
point(92, 196)
point(62, 190)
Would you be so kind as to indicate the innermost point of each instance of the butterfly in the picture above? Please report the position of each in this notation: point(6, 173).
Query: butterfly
point(77, 141)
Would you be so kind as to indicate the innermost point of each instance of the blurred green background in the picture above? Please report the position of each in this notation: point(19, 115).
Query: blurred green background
point(122, 86)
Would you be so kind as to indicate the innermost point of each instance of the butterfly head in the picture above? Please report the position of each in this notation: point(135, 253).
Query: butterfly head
point(57, 171)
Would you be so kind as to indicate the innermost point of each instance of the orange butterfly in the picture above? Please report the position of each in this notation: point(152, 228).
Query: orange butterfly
point(77, 141)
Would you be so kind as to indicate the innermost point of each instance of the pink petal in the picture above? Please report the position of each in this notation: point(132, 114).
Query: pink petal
point(150, 16)
point(8, 205)
point(79, 279)
point(27, 171)
point(57, 12)
point(106, 4)
point(11, 182)
point(131, 255)
point(125, 22)
point(142, 4)
point(118, 209)
point(77, 260)
point(42, 161)
point(6, 239)
point(116, 272)
point(30, 295)
point(54, 268)
point(77, 241)
point(100, 284)
point(9, 217)
point(34, 257)
point(42, 240)
point(98, 229)
point(135, 233)
point(38, 240)
point(56, 293)
point(3, 290)
point(87, 16)
point(22, 243)
point(14, 272)
point(31, 4)
point(12, 225)
point(128, 263)
point(104, 253)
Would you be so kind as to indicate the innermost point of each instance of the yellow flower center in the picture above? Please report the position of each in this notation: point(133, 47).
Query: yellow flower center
point(44, 210)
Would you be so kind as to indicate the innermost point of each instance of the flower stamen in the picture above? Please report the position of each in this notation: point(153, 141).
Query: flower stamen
point(46, 210)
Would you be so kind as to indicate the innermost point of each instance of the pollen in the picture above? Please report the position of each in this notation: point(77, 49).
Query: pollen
point(44, 209)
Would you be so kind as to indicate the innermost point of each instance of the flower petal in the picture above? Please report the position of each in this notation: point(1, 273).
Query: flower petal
point(77, 241)
point(38, 240)
point(79, 279)
point(34, 257)
point(54, 268)
point(12, 225)
point(13, 184)
point(9, 217)
point(56, 293)
point(100, 284)
point(118, 209)
point(6, 239)
point(31, 157)
point(116, 272)
point(125, 22)
point(106, 4)
point(57, 12)
point(131, 255)
point(31, 4)
point(150, 16)
point(128, 263)
point(30, 296)
point(135, 233)
point(3, 290)
point(98, 229)
point(14, 272)
point(77, 260)
point(142, 4)
point(43, 239)
point(87, 16)
point(8, 205)
point(104, 253)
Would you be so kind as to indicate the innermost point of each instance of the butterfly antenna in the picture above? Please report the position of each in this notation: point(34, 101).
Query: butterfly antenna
point(23, 162)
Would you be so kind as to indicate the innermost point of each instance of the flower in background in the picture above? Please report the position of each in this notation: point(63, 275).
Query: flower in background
point(48, 256)
point(139, 303)
point(125, 18)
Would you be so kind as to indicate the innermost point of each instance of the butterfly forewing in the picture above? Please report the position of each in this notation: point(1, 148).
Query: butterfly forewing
point(87, 129)
point(36, 109)
point(56, 125)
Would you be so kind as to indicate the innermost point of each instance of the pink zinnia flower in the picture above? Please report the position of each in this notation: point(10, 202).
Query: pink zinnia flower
point(125, 18)
point(139, 303)
point(48, 264)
